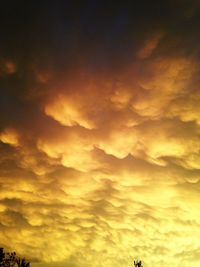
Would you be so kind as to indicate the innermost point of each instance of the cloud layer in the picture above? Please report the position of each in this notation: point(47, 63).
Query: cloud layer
point(99, 134)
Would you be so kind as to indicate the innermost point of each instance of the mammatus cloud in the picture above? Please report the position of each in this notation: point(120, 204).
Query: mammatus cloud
point(150, 45)
point(99, 161)
point(9, 136)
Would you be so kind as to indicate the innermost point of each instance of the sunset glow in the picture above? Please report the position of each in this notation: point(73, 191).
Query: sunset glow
point(100, 133)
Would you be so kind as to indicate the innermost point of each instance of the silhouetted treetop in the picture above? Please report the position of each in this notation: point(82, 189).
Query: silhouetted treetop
point(12, 260)
point(138, 263)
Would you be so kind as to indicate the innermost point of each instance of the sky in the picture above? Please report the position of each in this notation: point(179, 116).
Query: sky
point(100, 132)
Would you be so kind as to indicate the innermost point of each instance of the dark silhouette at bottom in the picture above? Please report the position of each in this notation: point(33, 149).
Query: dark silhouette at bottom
point(138, 263)
point(11, 260)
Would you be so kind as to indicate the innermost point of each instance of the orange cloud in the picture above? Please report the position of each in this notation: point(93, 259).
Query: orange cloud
point(150, 45)
point(10, 136)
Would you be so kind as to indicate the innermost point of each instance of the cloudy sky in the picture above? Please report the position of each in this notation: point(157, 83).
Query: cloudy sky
point(99, 132)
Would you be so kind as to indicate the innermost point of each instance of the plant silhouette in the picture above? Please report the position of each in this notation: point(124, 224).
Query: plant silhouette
point(12, 260)
point(138, 263)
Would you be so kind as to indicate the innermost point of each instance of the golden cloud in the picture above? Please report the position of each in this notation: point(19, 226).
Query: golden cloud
point(10, 136)
point(110, 174)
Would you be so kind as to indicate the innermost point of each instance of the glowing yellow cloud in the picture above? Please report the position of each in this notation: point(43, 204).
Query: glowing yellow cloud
point(9, 136)
point(67, 113)
point(108, 174)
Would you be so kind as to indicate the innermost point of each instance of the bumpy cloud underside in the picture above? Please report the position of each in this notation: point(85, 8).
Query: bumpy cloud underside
point(99, 136)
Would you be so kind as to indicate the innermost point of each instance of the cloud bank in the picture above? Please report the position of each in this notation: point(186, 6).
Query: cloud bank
point(99, 133)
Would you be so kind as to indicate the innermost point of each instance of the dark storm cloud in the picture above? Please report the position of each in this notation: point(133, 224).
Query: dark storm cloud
point(63, 37)
point(59, 32)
